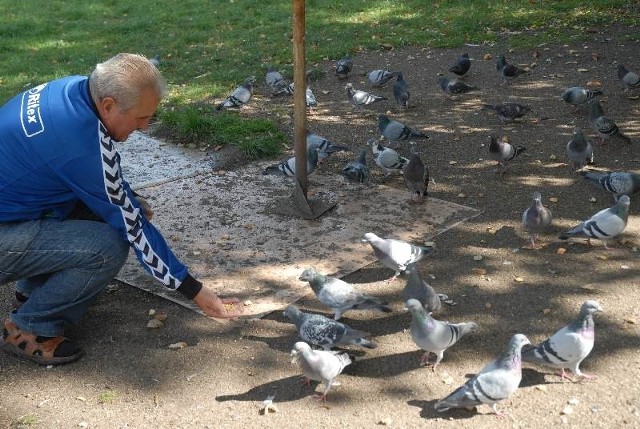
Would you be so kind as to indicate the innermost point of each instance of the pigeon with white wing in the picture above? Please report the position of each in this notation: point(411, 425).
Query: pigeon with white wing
point(629, 79)
point(569, 346)
point(379, 77)
point(396, 254)
point(288, 166)
point(417, 288)
point(323, 332)
point(495, 382)
point(603, 125)
point(320, 365)
point(339, 295)
point(386, 158)
point(323, 146)
point(605, 225)
point(359, 98)
point(503, 152)
point(276, 83)
point(578, 96)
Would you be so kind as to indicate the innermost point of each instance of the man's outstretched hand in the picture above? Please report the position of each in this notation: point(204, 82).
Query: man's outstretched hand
point(214, 306)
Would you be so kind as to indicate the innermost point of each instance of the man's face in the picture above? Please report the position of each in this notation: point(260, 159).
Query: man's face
point(121, 124)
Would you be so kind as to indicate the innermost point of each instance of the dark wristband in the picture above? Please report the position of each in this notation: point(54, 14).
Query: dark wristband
point(190, 287)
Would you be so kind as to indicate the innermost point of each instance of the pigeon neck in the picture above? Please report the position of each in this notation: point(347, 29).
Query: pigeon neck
point(583, 323)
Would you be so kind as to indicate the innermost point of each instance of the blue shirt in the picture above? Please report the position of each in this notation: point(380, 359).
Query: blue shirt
point(54, 152)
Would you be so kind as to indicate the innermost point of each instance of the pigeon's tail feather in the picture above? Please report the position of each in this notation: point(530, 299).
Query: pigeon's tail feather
point(578, 230)
point(459, 398)
point(419, 134)
point(593, 177)
point(373, 303)
point(519, 149)
point(273, 170)
point(363, 342)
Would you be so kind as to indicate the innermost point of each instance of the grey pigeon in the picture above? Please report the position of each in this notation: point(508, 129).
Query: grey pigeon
point(401, 91)
point(494, 383)
point(462, 65)
point(379, 77)
point(396, 131)
point(324, 332)
point(361, 98)
point(434, 336)
point(276, 82)
point(386, 158)
point(568, 347)
point(339, 295)
point(344, 66)
point(416, 176)
point(454, 86)
point(325, 147)
point(604, 225)
point(536, 219)
point(506, 70)
point(155, 60)
point(602, 124)
point(578, 96)
point(418, 289)
point(617, 183)
point(240, 96)
point(310, 98)
point(503, 152)
point(396, 254)
point(508, 112)
point(288, 166)
point(357, 170)
point(579, 150)
point(319, 365)
point(629, 79)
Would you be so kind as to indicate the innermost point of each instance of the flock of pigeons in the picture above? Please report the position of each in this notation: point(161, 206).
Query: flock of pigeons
point(565, 349)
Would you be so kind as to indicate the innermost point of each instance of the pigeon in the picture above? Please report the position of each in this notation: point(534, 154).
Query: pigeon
point(418, 289)
point(240, 96)
point(396, 254)
point(617, 183)
point(288, 167)
point(276, 83)
point(603, 125)
point(462, 65)
point(310, 98)
point(339, 295)
point(324, 147)
point(386, 158)
point(401, 91)
point(579, 150)
point(324, 332)
point(508, 112)
point(604, 225)
point(319, 365)
point(629, 79)
point(494, 383)
point(155, 60)
point(378, 77)
point(416, 176)
point(434, 336)
point(357, 170)
point(578, 96)
point(361, 98)
point(343, 67)
point(395, 131)
point(454, 86)
point(503, 152)
point(536, 219)
point(506, 70)
point(568, 347)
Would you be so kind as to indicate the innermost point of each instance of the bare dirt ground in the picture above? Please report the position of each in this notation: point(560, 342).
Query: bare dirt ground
point(129, 377)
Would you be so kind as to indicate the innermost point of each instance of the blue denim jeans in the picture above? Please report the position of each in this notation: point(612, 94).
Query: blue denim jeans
point(61, 265)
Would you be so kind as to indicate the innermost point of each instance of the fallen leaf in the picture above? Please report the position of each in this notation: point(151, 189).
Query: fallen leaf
point(630, 320)
point(487, 57)
point(554, 199)
point(488, 305)
point(582, 70)
point(546, 310)
point(593, 83)
point(479, 271)
point(561, 251)
point(160, 316)
point(387, 46)
point(154, 324)
point(602, 257)
point(177, 346)
point(519, 279)
point(541, 387)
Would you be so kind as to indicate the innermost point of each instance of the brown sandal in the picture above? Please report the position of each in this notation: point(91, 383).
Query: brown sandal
point(52, 351)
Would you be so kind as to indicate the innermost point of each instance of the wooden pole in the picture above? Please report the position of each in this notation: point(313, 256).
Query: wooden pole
point(299, 96)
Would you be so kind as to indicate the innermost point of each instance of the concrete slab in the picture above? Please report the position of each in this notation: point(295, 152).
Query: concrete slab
point(230, 229)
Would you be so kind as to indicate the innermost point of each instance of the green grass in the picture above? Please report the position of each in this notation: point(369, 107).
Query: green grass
point(208, 47)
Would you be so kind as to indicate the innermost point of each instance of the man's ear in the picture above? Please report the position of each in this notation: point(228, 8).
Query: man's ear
point(107, 104)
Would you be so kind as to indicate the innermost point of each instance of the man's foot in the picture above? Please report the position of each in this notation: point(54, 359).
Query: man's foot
point(43, 350)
